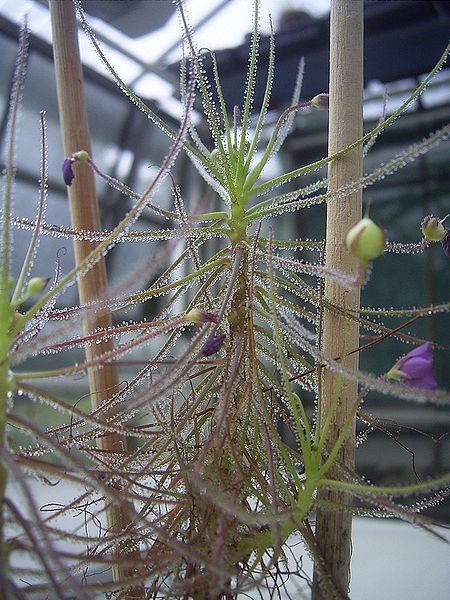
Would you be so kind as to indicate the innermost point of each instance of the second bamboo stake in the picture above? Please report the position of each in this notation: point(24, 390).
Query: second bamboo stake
point(340, 335)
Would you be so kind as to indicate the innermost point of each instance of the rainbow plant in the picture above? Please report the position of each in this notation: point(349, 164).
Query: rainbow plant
point(213, 490)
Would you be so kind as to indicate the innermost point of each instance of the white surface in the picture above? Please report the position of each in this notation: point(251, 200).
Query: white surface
point(391, 560)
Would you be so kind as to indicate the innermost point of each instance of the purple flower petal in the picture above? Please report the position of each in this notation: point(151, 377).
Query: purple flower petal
point(213, 344)
point(67, 171)
point(414, 369)
point(424, 383)
point(422, 350)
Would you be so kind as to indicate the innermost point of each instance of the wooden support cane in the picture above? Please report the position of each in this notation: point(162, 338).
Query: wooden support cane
point(84, 211)
point(340, 335)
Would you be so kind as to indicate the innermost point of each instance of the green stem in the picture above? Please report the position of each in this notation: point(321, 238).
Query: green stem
point(288, 524)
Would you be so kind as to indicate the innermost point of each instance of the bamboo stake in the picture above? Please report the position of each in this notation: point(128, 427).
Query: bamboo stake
point(103, 383)
point(339, 335)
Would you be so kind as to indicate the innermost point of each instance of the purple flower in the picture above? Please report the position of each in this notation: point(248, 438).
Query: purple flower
point(446, 243)
point(414, 369)
point(68, 171)
point(213, 344)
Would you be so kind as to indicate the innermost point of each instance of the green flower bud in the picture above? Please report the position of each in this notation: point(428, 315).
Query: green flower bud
point(320, 101)
point(365, 240)
point(36, 286)
point(432, 229)
point(197, 315)
point(81, 155)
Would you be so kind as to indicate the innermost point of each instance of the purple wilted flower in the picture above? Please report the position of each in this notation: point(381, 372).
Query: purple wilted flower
point(67, 171)
point(213, 344)
point(68, 174)
point(446, 243)
point(414, 369)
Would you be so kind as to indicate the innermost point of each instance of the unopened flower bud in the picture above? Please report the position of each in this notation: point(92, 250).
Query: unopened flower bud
point(432, 229)
point(37, 285)
point(81, 155)
point(365, 240)
point(320, 101)
point(213, 344)
point(197, 315)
